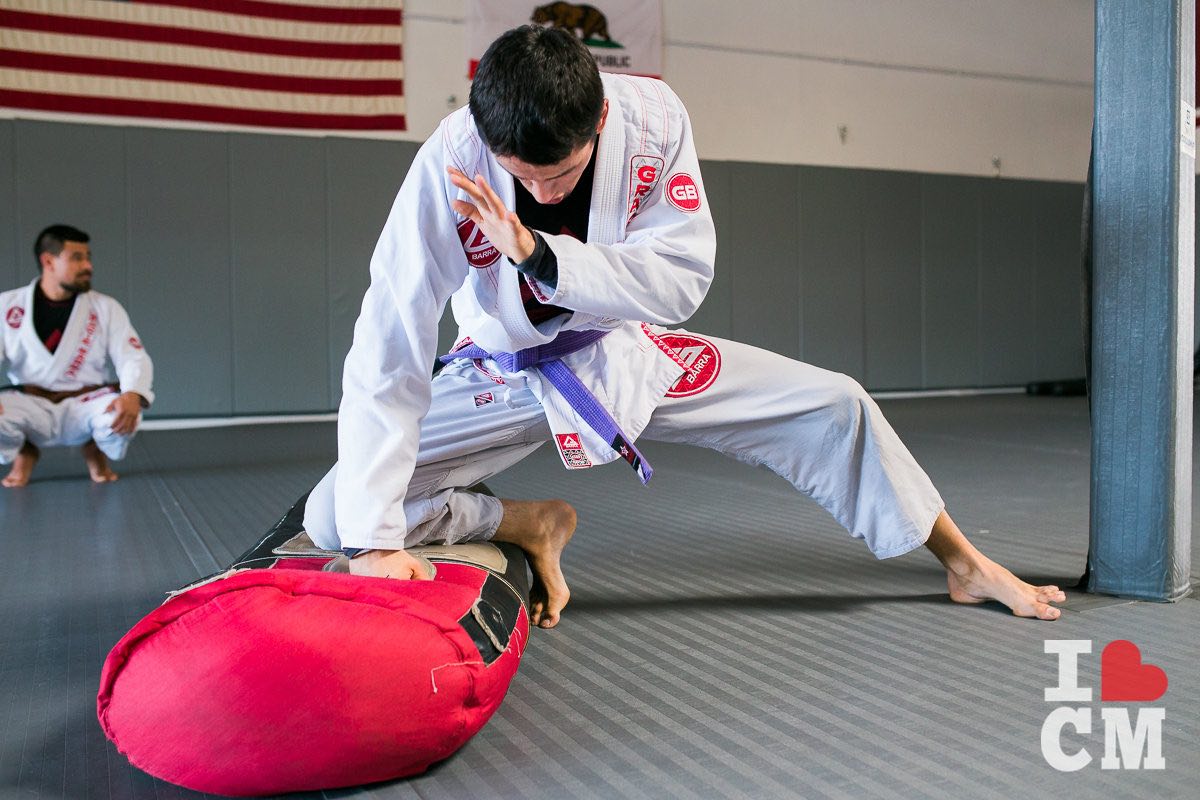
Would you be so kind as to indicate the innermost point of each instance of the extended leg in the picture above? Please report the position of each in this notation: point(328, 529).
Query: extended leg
point(824, 434)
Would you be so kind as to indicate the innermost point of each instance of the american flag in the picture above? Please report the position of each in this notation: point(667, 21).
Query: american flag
point(313, 64)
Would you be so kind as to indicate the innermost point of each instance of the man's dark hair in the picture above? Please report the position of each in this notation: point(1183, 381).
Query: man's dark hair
point(52, 239)
point(537, 95)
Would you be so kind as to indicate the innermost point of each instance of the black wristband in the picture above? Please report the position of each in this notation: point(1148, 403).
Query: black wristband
point(542, 264)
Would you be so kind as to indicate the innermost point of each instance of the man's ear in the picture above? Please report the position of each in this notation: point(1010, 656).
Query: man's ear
point(603, 116)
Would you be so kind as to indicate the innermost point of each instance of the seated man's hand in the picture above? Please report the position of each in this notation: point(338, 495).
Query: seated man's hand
point(390, 564)
point(127, 407)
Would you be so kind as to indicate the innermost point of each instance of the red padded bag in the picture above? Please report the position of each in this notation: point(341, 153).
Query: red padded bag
point(283, 679)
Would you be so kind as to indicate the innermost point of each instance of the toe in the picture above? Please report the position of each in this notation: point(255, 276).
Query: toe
point(1047, 612)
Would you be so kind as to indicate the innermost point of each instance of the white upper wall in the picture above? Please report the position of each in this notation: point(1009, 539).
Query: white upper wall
point(919, 85)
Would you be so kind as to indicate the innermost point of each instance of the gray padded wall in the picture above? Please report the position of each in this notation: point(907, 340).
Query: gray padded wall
point(73, 174)
point(762, 257)
point(243, 258)
point(832, 297)
point(1058, 209)
point(363, 176)
point(9, 268)
point(180, 289)
point(891, 233)
point(280, 249)
point(950, 280)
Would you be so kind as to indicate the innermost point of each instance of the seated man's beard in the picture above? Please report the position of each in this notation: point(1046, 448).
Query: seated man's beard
point(80, 284)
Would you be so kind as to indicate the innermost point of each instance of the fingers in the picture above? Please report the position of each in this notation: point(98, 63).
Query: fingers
point(473, 188)
point(466, 209)
point(493, 199)
point(124, 423)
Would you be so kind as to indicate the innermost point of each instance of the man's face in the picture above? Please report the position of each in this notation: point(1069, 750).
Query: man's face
point(551, 183)
point(71, 268)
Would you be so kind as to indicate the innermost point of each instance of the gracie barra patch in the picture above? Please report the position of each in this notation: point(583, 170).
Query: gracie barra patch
point(644, 172)
point(14, 317)
point(570, 448)
point(683, 192)
point(484, 399)
point(479, 251)
point(699, 357)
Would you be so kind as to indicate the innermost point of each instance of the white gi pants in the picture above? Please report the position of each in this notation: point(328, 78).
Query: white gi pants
point(72, 421)
point(817, 429)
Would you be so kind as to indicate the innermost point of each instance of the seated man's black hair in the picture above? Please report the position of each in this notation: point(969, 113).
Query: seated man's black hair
point(52, 239)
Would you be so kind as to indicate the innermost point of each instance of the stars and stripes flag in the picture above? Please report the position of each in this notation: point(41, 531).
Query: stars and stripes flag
point(312, 64)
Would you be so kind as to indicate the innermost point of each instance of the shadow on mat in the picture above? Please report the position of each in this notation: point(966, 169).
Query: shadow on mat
point(762, 602)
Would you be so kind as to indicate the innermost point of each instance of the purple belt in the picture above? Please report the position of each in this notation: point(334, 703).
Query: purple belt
point(547, 358)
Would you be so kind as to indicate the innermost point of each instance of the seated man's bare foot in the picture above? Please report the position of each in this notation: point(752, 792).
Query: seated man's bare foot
point(22, 467)
point(542, 529)
point(97, 464)
point(993, 582)
point(974, 578)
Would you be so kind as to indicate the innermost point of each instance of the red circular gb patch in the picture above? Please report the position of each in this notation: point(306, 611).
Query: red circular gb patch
point(133, 342)
point(683, 192)
point(700, 357)
point(14, 317)
point(480, 252)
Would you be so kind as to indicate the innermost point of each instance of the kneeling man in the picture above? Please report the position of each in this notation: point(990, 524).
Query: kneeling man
point(63, 344)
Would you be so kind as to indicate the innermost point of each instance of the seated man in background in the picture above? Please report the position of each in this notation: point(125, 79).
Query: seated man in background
point(59, 338)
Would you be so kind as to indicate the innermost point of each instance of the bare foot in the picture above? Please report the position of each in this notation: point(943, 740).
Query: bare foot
point(993, 582)
point(22, 467)
point(97, 464)
point(974, 578)
point(542, 529)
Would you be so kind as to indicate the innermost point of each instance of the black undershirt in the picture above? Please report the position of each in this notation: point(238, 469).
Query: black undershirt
point(570, 218)
point(50, 317)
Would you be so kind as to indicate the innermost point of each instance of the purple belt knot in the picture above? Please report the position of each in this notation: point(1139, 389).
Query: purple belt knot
point(547, 359)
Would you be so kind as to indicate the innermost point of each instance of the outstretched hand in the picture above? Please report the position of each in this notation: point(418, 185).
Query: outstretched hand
point(127, 407)
point(502, 227)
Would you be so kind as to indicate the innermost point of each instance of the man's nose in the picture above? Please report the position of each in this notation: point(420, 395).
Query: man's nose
point(543, 192)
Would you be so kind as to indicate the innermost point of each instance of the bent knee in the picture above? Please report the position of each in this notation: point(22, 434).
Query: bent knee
point(319, 520)
point(848, 401)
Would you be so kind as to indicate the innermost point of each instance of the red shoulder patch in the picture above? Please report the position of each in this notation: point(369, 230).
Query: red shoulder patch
point(683, 193)
point(479, 251)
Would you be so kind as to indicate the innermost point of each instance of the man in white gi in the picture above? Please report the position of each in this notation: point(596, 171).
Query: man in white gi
point(62, 343)
point(564, 213)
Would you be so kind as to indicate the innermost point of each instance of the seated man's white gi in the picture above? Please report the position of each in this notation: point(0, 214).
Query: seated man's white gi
point(67, 393)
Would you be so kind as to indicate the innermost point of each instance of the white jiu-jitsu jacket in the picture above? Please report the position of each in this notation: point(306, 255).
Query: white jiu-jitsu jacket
point(98, 339)
point(648, 259)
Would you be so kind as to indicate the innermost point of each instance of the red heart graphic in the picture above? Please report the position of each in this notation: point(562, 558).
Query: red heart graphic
point(1124, 678)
